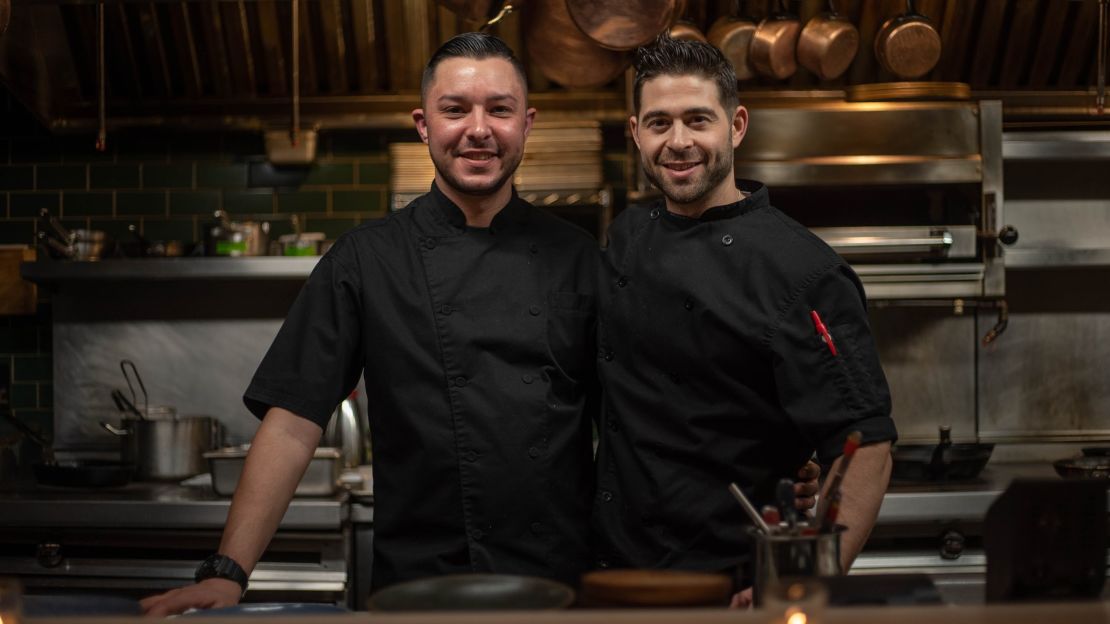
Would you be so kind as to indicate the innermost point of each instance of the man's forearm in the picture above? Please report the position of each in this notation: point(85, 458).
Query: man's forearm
point(861, 495)
point(279, 455)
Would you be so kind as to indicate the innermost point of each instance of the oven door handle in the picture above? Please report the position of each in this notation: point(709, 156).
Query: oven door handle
point(870, 244)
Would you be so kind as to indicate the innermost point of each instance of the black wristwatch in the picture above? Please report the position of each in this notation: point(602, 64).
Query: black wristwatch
point(219, 566)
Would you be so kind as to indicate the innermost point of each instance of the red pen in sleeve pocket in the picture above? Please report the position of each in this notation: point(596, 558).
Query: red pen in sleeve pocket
point(823, 331)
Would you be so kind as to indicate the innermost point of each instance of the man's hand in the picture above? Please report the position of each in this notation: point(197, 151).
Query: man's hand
point(210, 593)
point(806, 486)
point(742, 599)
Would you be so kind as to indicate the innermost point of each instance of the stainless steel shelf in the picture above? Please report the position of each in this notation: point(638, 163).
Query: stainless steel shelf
point(141, 505)
point(166, 269)
point(1081, 145)
point(1056, 258)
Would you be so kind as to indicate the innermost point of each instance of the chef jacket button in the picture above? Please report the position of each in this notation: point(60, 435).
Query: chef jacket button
point(614, 425)
point(535, 310)
point(726, 240)
point(534, 248)
point(429, 243)
point(537, 527)
point(602, 563)
point(608, 355)
point(675, 379)
point(622, 282)
point(533, 452)
point(606, 495)
point(476, 534)
point(527, 379)
point(446, 310)
point(460, 381)
point(688, 304)
point(472, 456)
point(654, 214)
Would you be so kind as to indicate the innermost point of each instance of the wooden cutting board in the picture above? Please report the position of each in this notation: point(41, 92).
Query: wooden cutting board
point(17, 296)
point(655, 588)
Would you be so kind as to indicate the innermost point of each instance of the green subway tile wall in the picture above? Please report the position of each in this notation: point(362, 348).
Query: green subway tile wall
point(168, 184)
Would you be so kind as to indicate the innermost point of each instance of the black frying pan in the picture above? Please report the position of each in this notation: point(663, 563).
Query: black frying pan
point(940, 462)
point(84, 473)
point(473, 592)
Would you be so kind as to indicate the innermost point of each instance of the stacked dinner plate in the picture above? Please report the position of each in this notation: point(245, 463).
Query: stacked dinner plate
point(558, 156)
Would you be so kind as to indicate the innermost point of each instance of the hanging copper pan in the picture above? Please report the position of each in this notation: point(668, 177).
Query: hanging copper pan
point(562, 53)
point(473, 10)
point(732, 35)
point(621, 24)
point(907, 45)
point(5, 15)
point(828, 44)
point(683, 28)
point(772, 51)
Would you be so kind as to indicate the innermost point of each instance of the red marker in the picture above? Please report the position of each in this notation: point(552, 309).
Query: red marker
point(823, 331)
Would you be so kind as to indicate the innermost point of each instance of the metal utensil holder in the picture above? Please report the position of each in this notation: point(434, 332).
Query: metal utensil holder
point(784, 555)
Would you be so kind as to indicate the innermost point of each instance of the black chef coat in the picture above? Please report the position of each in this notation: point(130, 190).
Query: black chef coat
point(713, 372)
point(477, 346)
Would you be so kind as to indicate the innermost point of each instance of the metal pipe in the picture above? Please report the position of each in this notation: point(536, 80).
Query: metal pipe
point(1100, 100)
point(296, 72)
point(102, 132)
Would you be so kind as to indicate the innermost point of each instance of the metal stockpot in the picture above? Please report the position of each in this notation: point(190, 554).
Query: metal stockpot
point(236, 238)
point(167, 449)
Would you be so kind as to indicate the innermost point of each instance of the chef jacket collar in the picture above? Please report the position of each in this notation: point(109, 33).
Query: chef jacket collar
point(758, 197)
point(448, 213)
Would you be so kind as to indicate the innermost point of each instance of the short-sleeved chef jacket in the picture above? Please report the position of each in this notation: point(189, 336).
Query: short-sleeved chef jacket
point(477, 346)
point(713, 372)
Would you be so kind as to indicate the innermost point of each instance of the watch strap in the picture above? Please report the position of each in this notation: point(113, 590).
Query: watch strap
point(221, 566)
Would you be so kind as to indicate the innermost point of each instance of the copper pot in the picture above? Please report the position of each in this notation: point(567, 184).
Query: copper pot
point(907, 45)
point(773, 44)
point(732, 35)
point(5, 15)
point(828, 44)
point(682, 28)
point(562, 53)
point(473, 10)
point(621, 24)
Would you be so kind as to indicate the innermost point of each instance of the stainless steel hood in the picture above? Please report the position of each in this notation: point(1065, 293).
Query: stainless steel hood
point(834, 155)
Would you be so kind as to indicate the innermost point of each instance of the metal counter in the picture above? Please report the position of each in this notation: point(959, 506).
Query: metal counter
point(150, 506)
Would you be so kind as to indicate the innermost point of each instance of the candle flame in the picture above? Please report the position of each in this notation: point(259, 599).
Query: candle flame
point(795, 616)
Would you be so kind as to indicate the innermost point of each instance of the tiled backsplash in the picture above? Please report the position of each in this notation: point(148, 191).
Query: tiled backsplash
point(168, 184)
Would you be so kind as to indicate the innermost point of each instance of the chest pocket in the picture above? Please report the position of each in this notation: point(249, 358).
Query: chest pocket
point(571, 322)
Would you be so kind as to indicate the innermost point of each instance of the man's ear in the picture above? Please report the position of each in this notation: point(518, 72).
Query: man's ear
point(739, 126)
point(529, 119)
point(421, 123)
point(633, 127)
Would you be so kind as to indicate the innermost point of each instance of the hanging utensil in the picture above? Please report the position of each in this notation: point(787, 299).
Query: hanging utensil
point(125, 406)
point(732, 35)
point(562, 53)
point(621, 24)
point(828, 44)
point(908, 45)
point(773, 44)
point(123, 364)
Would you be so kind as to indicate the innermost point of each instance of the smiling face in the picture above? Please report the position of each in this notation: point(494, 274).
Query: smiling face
point(686, 140)
point(475, 120)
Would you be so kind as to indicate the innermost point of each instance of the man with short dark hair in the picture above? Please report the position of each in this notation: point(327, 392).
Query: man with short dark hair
point(472, 314)
point(736, 342)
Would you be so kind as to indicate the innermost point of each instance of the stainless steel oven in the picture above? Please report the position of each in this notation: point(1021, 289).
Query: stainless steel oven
point(909, 192)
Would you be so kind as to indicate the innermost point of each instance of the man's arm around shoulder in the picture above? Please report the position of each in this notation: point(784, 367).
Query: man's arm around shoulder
point(278, 457)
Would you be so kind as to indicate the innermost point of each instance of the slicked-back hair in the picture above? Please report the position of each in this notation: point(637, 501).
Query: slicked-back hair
point(472, 45)
point(678, 57)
